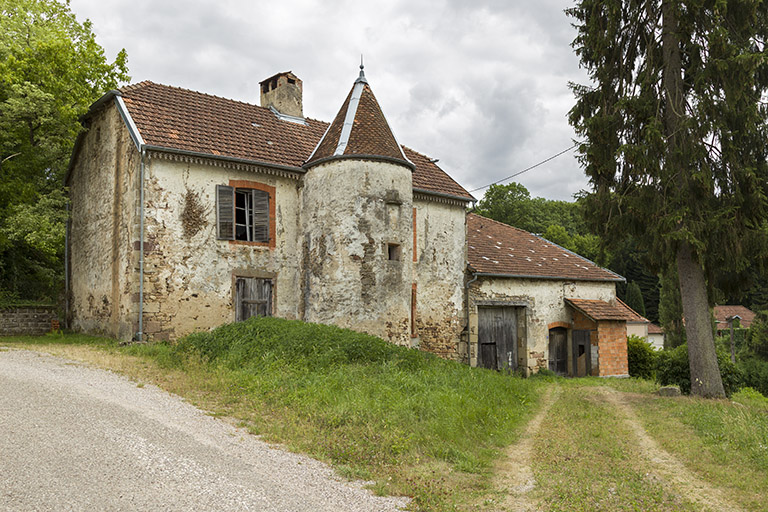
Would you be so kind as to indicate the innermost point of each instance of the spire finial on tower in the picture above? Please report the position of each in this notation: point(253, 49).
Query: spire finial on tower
point(361, 78)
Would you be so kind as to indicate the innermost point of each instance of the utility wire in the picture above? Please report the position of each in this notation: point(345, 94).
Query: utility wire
point(527, 169)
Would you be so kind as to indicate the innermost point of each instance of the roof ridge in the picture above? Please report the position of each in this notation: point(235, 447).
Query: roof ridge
point(512, 227)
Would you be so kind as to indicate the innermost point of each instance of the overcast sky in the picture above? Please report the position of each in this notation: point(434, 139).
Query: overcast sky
point(481, 85)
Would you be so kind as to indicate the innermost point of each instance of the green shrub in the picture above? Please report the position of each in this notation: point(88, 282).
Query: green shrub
point(754, 373)
point(641, 357)
point(672, 367)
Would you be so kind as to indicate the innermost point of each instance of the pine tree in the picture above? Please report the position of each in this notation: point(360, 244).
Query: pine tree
point(635, 298)
point(675, 139)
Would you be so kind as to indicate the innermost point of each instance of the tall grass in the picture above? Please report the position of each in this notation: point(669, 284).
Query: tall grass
point(372, 408)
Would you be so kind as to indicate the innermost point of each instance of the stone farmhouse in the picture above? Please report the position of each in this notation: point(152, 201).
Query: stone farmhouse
point(189, 211)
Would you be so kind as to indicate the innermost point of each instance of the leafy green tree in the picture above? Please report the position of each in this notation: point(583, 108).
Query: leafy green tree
point(557, 234)
point(674, 148)
point(510, 204)
point(51, 71)
point(634, 298)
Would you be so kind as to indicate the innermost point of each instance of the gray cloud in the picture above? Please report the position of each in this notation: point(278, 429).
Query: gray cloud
point(481, 85)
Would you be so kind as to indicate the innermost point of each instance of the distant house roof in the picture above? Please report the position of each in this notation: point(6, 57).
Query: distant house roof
point(179, 119)
point(600, 310)
point(655, 329)
point(498, 249)
point(723, 313)
point(634, 316)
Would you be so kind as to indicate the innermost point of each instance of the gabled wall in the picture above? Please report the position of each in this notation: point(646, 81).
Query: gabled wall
point(103, 191)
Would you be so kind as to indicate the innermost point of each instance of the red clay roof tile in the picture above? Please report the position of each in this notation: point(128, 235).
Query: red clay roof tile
point(723, 313)
point(600, 310)
point(174, 118)
point(496, 248)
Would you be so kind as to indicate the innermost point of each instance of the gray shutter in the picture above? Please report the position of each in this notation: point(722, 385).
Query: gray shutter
point(225, 212)
point(260, 216)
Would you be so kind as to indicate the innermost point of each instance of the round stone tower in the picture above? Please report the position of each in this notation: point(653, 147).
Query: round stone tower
point(357, 221)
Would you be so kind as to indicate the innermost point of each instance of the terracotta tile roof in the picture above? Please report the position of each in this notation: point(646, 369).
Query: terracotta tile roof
point(174, 118)
point(655, 329)
point(600, 310)
point(634, 316)
point(496, 248)
point(368, 134)
point(723, 313)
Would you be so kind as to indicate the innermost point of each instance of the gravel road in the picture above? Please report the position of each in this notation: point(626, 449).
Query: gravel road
point(73, 437)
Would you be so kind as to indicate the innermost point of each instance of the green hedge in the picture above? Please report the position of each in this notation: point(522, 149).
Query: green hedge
point(641, 357)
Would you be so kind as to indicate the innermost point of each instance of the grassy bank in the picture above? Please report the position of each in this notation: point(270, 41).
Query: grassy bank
point(415, 424)
point(725, 442)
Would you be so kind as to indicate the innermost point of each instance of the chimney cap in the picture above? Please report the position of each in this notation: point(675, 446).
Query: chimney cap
point(288, 74)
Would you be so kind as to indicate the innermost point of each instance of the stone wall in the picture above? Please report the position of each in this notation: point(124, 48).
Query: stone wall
point(544, 304)
point(103, 191)
point(189, 274)
point(439, 258)
point(27, 320)
point(353, 211)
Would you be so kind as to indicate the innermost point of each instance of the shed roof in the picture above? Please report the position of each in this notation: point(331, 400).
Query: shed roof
point(180, 119)
point(600, 310)
point(498, 249)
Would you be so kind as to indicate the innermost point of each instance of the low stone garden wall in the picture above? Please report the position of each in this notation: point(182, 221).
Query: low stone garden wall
point(27, 320)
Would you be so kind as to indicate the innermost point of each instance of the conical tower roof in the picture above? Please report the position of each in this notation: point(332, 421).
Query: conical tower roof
point(359, 131)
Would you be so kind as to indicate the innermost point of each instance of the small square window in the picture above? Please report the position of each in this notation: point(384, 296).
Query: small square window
point(393, 251)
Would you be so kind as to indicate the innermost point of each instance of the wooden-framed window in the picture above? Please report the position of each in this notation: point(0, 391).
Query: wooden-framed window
point(245, 212)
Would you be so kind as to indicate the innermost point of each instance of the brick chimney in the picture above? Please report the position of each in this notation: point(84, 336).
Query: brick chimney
point(283, 93)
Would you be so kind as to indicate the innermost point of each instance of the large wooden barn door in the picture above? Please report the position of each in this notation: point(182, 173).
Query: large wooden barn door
point(497, 337)
point(582, 357)
point(253, 297)
point(558, 350)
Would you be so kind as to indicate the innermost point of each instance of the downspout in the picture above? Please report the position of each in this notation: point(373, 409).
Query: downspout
point(140, 334)
point(469, 347)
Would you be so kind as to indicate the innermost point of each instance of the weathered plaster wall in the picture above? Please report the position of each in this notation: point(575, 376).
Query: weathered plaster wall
point(439, 263)
point(189, 277)
point(104, 198)
point(351, 210)
point(637, 329)
point(544, 304)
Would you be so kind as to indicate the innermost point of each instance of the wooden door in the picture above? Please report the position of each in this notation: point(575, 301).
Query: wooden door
point(558, 350)
point(582, 354)
point(497, 337)
point(253, 297)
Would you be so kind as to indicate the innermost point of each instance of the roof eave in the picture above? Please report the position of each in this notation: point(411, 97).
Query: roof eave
point(388, 159)
point(550, 278)
point(443, 194)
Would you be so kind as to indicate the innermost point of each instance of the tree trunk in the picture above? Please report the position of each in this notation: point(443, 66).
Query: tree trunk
point(702, 358)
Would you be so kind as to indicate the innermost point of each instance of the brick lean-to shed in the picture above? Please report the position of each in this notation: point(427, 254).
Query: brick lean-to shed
point(533, 304)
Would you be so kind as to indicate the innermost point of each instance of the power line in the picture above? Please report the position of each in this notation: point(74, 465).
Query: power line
point(528, 169)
